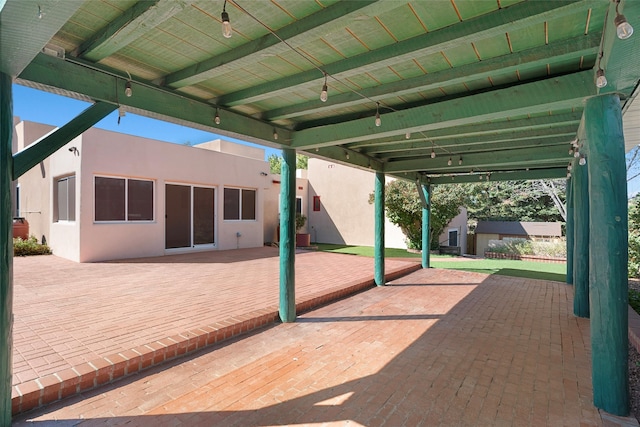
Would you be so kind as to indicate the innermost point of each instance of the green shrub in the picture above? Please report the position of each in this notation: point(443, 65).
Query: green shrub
point(634, 300)
point(29, 246)
point(529, 247)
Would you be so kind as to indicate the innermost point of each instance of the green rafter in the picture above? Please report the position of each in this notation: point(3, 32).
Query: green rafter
point(476, 129)
point(128, 27)
point(558, 51)
point(515, 17)
point(516, 158)
point(551, 173)
point(99, 85)
point(332, 16)
point(563, 92)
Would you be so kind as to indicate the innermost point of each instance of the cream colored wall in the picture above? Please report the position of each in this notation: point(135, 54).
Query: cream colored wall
point(459, 222)
point(272, 208)
point(345, 216)
point(482, 242)
point(35, 184)
point(229, 147)
point(112, 154)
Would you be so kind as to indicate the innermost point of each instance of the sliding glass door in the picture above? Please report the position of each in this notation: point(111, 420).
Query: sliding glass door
point(189, 216)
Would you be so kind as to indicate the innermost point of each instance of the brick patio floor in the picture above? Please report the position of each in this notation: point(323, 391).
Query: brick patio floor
point(436, 347)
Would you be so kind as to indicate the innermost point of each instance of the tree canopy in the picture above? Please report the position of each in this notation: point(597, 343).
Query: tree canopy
point(275, 162)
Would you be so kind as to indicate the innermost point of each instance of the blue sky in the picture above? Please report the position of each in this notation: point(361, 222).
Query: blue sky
point(43, 107)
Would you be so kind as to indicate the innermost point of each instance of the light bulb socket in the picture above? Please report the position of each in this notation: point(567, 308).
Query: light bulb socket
point(127, 89)
point(324, 95)
point(226, 24)
point(601, 80)
point(624, 30)
point(449, 162)
point(216, 119)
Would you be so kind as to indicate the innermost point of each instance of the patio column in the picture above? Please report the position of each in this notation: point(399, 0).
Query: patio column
point(569, 231)
point(378, 250)
point(287, 307)
point(608, 253)
point(426, 227)
point(6, 248)
point(580, 180)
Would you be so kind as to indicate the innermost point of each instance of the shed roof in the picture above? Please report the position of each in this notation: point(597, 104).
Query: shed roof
point(519, 228)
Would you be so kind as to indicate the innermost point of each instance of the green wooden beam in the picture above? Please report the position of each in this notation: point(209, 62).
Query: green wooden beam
point(426, 226)
point(23, 34)
point(378, 247)
point(478, 129)
point(6, 249)
point(521, 158)
point(558, 51)
point(287, 308)
point(347, 157)
point(492, 24)
point(321, 22)
point(49, 144)
point(551, 173)
point(570, 230)
point(81, 80)
point(128, 27)
point(581, 240)
point(608, 253)
point(563, 92)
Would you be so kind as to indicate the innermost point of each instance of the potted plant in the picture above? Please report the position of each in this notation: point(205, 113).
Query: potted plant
point(302, 239)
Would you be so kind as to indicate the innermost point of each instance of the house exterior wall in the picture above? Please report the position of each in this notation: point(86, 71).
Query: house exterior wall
point(458, 223)
point(482, 242)
point(345, 215)
point(35, 206)
point(272, 204)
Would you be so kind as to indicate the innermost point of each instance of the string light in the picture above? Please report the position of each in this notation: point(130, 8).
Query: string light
point(226, 24)
point(582, 161)
point(407, 135)
point(571, 151)
point(275, 133)
point(624, 30)
point(433, 154)
point(576, 154)
point(127, 87)
point(449, 162)
point(378, 120)
point(324, 94)
point(460, 161)
point(216, 119)
point(601, 80)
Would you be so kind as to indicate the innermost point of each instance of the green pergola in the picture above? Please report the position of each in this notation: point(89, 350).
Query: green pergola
point(463, 89)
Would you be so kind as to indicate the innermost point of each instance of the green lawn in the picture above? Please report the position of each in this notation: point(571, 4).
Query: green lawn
point(504, 267)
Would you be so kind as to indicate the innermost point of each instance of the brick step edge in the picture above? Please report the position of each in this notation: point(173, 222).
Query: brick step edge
point(104, 370)
point(537, 258)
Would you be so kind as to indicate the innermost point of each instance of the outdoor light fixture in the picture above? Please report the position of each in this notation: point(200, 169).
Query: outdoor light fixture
point(460, 161)
point(449, 162)
point(571, 151)
point(216, 119)
point(569, 166)
point(275, 133)
point(407, 135)
point(378, 120)
point(433, 154)
point(568, 175)
point(624, 30)
point(226, 25)
point(127, 89)
point(324, 94)
point(576, 154)
point(582, 161)
point(601, 80)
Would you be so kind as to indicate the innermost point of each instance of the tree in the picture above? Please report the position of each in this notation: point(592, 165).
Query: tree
point(403, 208)
point(275, 162)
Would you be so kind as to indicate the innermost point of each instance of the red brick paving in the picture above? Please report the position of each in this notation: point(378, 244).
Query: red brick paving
point(78, 326)
point(436, 347)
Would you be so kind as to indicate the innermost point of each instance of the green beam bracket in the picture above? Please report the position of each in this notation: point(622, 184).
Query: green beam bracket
point(47, 145)
point(570, 231)
point(379, 229)
point(288, 236)
point(6, 249)
point(581, 240)
point(425, 191)
point(608, 253)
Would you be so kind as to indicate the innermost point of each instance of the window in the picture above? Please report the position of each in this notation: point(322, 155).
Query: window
point(239, 204)
point(299, 205)
point(65, 199)
point(453, 237)
point(316, 203)
point(122, 199)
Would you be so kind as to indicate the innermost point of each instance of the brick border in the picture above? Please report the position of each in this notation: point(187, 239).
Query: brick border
point(103, 370)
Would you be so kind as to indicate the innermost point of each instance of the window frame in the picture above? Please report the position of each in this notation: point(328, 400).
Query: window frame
point(56, 199)
point(240, 207)
point(126, 219)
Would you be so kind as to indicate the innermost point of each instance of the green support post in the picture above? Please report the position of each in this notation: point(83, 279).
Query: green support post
point(608, 253)
point(426, 227)
point(580, 240)
point(569, 231)
point(379, 229)
point(287, 236)
point(6, 248)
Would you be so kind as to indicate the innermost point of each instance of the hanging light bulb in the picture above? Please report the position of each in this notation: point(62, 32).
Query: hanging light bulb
point(275, 133)
point(407, 135)
point(568, 175)
point(571, 151)
point(624, 30)
point(460, 161)
point(601, 80)
point(480, 177)
point(216, 119)
point(569, 166)
point(449, 162)
point(226, 25)
point(324, 94)
point(378, 120)
point(127, 89)
point(582, 161)
point(433, 154)
point(576, 154)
